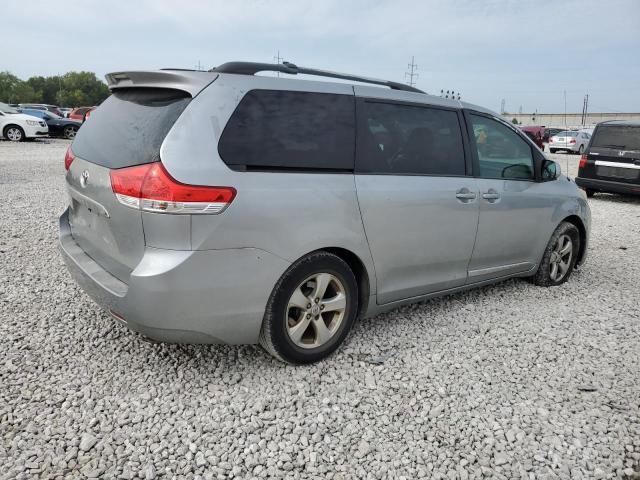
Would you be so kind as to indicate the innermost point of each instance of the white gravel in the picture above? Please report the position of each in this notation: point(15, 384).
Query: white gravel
point(508, 381)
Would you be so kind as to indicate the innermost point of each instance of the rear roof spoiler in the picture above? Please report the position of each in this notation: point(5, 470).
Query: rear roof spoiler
point(192, 82)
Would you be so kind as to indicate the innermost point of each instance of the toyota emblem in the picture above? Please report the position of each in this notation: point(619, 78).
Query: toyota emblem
point(84, 178)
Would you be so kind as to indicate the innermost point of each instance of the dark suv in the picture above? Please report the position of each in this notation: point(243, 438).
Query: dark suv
point(611, 162)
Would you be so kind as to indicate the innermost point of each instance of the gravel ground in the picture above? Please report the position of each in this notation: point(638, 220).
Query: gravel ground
point(508, 381)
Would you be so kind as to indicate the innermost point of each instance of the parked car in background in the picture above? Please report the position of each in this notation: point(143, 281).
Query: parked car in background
point(550, 132)
point(570, 141)
point(41, 106)
point(180, 234)
point(535, 134)
point(17, 127)
point(65, 112)
point(58, 126)
point(80, 113)
point(611, 162)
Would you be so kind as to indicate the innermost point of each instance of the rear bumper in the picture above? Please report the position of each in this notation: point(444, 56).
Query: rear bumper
point(212, 296)
point(608, 186)
point(563, 146)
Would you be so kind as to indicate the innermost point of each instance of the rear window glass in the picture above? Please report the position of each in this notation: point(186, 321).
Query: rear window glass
point(129, 127)
point(618, 137)
point(567, 134)
point(273, 129)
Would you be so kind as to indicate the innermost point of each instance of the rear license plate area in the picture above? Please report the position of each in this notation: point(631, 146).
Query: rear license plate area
point(615, 172)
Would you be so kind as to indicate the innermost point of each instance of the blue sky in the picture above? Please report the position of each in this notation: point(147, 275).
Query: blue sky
point(528, 53)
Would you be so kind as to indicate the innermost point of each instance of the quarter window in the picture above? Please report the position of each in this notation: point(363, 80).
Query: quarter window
point(502, 153)
point(290, 130)
point(406, 139)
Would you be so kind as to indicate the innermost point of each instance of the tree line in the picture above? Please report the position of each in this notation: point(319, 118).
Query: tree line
point(73, 89)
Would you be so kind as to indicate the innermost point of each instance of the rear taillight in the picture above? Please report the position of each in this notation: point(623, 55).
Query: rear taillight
point(149, 187)
point(68, 158)
point(583, 161)
point(573, 140)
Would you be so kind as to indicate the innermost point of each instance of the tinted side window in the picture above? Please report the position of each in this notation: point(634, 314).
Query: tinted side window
point(406, 139)
point(281, 129)
point(502, 153)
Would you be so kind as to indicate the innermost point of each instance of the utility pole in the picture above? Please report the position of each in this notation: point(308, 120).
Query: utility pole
point(59, 89)
point(278, 59)
point(502, 105)
point(585, 109)
point(411, 74)
point(199, 67)
point(565, 109)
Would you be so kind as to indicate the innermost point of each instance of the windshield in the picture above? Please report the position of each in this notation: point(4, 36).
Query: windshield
point(7, 109)
point(619, 137)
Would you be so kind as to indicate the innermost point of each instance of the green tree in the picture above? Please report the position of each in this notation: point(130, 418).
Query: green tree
point(83, 88)
point(73, 89)
point(514, 121)
point(47, 88)
point(14, 90)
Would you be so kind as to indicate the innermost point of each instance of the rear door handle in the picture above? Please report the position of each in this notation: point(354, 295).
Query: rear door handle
point(491, 195)
point(465, 195)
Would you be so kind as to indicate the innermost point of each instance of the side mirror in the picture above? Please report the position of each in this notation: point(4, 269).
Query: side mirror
point(550, 170)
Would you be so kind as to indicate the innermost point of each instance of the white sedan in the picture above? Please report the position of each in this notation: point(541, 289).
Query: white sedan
point(17, 127)
point(570, 141)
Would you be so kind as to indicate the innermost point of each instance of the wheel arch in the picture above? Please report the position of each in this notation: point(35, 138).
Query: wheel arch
point(359, 270)
point(579, 224)
point(9, 125)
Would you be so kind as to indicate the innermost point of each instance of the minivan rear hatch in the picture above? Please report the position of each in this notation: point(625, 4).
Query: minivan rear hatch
point(126, 130)
point(614, 154)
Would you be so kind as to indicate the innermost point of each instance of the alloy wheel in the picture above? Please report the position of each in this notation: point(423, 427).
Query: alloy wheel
point(14, 134)
point(316, 310)
point(70, 132)
point(561, 258)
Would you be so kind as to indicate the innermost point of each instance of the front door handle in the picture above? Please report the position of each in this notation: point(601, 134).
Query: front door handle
point(465, 195)
point(491, 195)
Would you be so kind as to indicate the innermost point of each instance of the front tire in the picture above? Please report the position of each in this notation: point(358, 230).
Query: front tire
point(590, 192)
point(559, 257)
point(311, 309)
point(553, 150)
point(14, 133)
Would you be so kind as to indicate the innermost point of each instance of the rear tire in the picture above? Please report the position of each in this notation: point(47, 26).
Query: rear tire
point(69, 132)
point(14, 133)
point(311, 309)
point(553, 150)
point(590, 192)
point(559, 257)
point(581, 150)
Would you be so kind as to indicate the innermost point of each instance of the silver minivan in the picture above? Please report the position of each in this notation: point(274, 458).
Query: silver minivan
point(230, 207)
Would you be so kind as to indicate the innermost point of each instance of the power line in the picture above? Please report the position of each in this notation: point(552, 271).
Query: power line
point(411, 74)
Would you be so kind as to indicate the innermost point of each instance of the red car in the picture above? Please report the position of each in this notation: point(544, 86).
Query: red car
point(536, 134)
point(80, 113)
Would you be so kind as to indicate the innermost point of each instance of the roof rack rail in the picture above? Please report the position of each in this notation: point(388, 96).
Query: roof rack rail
point(251, 68)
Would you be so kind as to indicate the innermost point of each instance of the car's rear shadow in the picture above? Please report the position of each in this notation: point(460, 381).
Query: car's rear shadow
point(617, 198)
